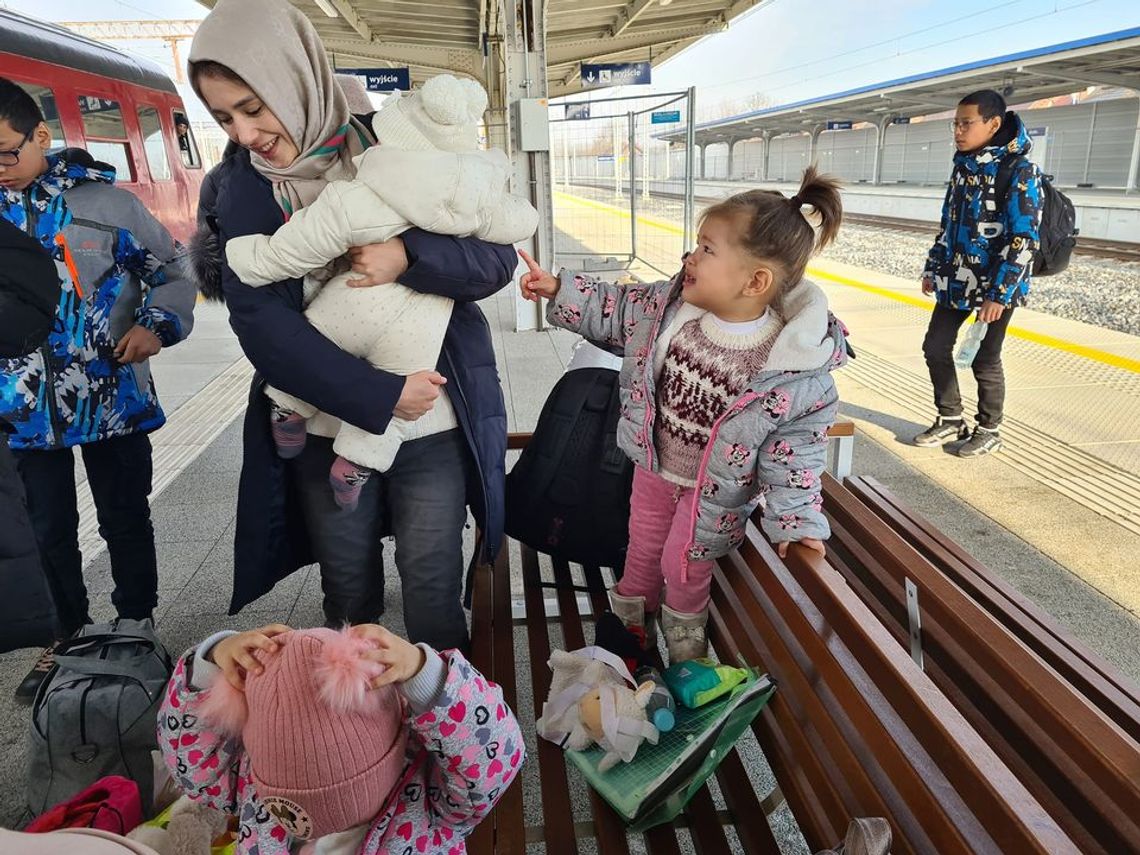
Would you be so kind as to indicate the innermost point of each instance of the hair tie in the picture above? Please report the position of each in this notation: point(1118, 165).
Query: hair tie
point(797, 201)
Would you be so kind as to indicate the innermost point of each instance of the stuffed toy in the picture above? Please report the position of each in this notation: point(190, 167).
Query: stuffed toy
point(185, 828)
point(594, 699)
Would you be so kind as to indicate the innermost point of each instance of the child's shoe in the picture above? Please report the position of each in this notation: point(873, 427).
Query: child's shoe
point(288, 429)
point(685, 636)
point(631, 611)
point(347, 480)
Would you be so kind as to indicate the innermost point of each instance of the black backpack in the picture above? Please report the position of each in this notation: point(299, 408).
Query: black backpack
point(568, 494)
point(1058, 233)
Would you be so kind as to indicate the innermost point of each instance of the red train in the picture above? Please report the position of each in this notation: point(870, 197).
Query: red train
point(121, 108)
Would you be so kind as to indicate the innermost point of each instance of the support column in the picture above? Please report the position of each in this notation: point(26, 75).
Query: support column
point(728, 171)
point(767, 137)
point(815, 132)
point(880, 144)
point(516, 79)
point(702, 148)
point(1132, 185)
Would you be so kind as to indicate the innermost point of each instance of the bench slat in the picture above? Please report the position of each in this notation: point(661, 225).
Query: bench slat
point(1112, 692)
point(510, 830)
point(482, 838)
point(752, 827)
point(939, 783)
point(608, 826)
point(1076, 762)
point(557, 818)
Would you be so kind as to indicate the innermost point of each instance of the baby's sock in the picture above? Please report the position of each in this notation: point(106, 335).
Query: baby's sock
point(347, 480)
point(288, 429)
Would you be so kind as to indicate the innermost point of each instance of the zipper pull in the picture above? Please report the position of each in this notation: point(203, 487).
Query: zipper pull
point(69, 260)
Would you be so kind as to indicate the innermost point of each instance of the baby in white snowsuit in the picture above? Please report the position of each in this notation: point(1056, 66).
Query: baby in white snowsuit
point(426, 171)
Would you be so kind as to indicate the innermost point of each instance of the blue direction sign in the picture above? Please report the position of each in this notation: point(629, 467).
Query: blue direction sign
point(665, 117)
point(578, 111)
point(382, 79)
point(605, 158)
point(616, 74)
point(839, 126)
point(900, 120)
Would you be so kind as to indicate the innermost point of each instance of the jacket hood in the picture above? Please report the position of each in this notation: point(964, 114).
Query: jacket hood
point(74, 166)
point(1011, 139)
point(812, 338)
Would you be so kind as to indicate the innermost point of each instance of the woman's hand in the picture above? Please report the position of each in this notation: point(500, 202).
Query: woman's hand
point(234, 654)
point(420, 392)
point(401, 659)
point(380, 263)
point(537, 282)
point(809, 542)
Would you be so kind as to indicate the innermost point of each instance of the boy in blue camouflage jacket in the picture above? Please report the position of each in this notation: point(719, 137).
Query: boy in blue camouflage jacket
point(982, 260)
point(124, 296)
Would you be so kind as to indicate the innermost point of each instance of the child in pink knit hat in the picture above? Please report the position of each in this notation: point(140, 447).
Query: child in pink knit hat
point(350, 742)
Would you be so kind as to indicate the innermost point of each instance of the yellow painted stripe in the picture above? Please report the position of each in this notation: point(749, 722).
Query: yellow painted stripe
point(672, 228)
point(1096, 355)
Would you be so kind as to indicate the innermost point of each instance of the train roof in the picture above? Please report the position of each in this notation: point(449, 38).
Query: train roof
point(35, 39)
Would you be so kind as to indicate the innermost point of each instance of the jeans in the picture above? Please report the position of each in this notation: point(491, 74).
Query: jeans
point(119, 473)
point(938, 348)
point(660, 525)
point(424, 496)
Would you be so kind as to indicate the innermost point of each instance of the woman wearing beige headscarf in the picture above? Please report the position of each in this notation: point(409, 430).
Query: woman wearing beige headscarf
point(259, 67)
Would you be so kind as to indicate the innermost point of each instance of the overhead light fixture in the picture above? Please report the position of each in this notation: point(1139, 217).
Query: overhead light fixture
point(664, 2)
point(326, 7)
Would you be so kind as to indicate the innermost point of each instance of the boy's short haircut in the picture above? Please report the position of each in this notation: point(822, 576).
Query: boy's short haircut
point(988, 102)
point(18, 108)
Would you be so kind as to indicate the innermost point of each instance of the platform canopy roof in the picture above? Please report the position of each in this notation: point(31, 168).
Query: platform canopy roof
point(1111, 59)
point(430, 36)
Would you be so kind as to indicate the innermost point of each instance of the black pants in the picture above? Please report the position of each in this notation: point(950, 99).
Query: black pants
point(424, 496)
point(938, 348)
point(119, 473)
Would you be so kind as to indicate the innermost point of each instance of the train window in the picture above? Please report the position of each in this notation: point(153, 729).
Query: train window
point(106, 134)
point(187, 145)
point(153, 144)
point(46, 99)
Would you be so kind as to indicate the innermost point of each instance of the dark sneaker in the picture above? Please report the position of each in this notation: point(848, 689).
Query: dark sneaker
point(26, 691)
point(981, 442)
point(942, 432)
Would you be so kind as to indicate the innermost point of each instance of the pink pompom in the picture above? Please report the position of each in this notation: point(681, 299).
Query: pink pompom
point(342, 676)
point(224, 707)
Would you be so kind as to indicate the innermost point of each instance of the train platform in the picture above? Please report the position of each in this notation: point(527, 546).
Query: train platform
point(1051, 514)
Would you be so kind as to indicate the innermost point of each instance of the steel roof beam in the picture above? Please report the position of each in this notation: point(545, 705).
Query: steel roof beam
point(1088, 78)
point(352, 18)
point(577, 50)
point(628, 14)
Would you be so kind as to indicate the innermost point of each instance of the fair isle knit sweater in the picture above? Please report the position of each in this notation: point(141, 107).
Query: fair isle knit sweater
point(709, 364)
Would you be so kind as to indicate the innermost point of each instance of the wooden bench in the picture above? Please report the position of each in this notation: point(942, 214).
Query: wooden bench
point(1064, 720)
point(856, 727)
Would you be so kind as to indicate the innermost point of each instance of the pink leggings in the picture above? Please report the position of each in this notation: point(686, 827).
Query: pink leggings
point(660, 525)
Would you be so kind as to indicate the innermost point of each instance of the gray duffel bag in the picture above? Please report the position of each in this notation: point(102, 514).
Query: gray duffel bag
point(95, 714)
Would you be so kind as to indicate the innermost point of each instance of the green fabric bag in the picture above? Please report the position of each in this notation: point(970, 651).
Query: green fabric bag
point(661, 779)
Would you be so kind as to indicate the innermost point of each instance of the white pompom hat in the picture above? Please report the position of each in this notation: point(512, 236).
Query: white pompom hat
point(443, 114)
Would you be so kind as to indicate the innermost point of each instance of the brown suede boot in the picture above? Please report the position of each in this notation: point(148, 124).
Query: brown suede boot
point(631, 612)
point(685, 636)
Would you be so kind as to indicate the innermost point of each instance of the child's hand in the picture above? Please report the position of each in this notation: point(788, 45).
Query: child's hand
point(537, 283)
point(809, 542)
point(234, 655)
point(402, 659)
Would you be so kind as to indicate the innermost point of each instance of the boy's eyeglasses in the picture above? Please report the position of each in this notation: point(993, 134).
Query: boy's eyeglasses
point(12, 156)
point(963, 124)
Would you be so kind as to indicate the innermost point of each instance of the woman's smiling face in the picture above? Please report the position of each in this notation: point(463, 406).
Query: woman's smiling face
point(247, 120)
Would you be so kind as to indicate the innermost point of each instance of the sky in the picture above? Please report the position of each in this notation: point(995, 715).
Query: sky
point(784, 50)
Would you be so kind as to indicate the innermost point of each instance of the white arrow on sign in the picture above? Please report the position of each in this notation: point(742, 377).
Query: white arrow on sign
point(590, 77)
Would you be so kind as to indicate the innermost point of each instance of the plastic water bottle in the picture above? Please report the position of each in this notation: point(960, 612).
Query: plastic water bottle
point(662, 709)
point(971, 344)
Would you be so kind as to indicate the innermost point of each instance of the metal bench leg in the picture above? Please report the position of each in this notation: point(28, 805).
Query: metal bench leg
point(840, 453)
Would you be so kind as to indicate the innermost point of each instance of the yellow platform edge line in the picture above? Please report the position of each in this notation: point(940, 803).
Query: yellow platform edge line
point(1096, 355)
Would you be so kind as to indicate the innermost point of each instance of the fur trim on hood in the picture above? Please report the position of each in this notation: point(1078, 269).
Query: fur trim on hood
point(206, 263)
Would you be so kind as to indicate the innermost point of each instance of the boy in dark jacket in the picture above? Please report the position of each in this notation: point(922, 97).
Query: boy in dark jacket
point(982, 260)
point(124, 296)
point(29, 292)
